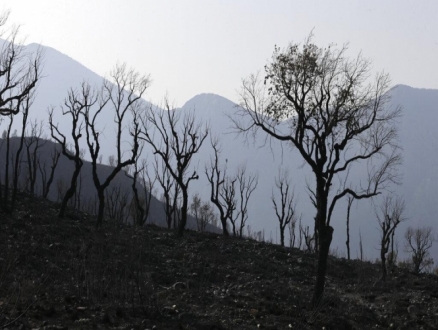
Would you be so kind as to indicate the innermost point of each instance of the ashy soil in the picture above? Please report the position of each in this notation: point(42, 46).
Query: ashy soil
point(65, 274)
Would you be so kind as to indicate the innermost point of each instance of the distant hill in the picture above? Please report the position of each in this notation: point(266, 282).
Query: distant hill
point(86, 190)
point(418, 137)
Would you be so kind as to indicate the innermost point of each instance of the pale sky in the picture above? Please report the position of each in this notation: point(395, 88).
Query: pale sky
point(198, 46)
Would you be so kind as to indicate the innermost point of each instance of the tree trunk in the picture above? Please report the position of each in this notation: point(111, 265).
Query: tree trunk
point(282, 235)
point(383, 258)
point(224, 227)
point(182, 224)
point(325, 239)
point(70, 192)
point(350, 201)
point(101, 196)
point(322, 244)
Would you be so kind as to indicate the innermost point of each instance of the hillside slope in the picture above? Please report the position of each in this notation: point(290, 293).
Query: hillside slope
point(86, 198)
point(63, 274)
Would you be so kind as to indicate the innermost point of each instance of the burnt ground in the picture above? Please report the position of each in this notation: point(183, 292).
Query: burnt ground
point(65, 274)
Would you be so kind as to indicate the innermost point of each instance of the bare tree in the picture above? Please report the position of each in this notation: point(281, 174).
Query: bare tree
point(390, 216)
point(320, 102)
point(111, 160)
point(177, 143)
point(247, 185)
point(4, 195)
point(8, 199)
point(292, 232)
point(33, 141)
point(166, 182)
point(117, 201)
point(418, 243)
point(222, 193)
point(124, 96)
point(202, 212)
point(229, 196)
point(142, 202)
point(361, 254)
point(285, 209)
point(349, 203)
point(20, 71)
point(47, 178)
point(307, 238)
point(206, 217)
point(75, 105)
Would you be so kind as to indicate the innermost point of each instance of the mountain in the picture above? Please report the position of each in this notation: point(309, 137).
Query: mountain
point(118, 193)
point(418, 137)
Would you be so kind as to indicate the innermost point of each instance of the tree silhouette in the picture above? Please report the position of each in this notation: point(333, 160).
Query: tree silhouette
point(176, 143)
point(123, 97)
point(322, 104)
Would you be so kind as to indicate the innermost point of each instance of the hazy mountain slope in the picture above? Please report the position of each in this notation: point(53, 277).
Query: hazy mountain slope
point(86, 189)
point(418, 137)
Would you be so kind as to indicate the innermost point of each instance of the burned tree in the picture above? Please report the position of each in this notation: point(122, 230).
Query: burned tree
point(418, 243)
point(7, 197)
point(350, 200)
point(166, 182)
point(20, 71)
point(202, 212)
point(320, 102)
point(389, 217)
point(19, 74)
point(47, 176)
point(75, 105)
point(33, 141)
point(176, 143)
point(223, 191)
point(124, 97)
point(142, 201)
point(285, 208)
point(247, 185)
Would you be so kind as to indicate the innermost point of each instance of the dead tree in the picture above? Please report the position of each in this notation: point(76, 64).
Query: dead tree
point(166, 182)
point(228, 195)
point(222, 193)
point(47, 176)
point(20, 71)
point(418, 243)
point(206, 217)
point(247, 185)
point(285, 209)
point(320, 102)
point(124, 97)
point(389, 217)
point(176, 206)
point(307, 238)
point(142, 202)
point(349, 203)
point(176, 143)
point(19, 74)
point(75, 105)
point(4, 196)
point(361, 254)
point(292, 232)
point(202, 212)
point(33, 141)
point(117, 201)
point(7, 198)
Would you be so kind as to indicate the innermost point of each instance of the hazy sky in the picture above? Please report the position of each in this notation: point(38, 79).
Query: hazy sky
point(195, 46)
